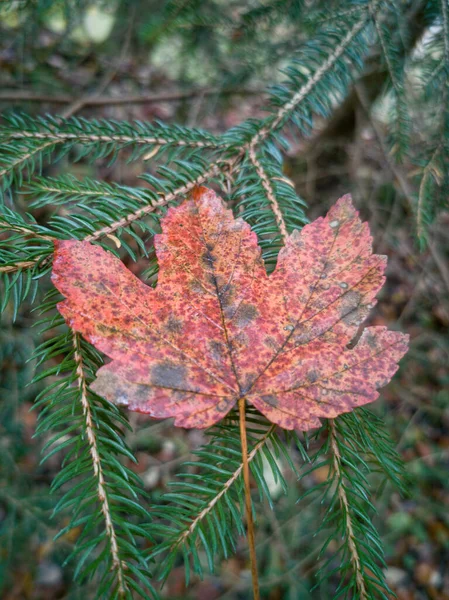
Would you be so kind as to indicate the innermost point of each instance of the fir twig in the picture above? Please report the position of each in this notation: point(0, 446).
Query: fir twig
point(61, 137)
point(215, 169)
point(97, 468)
point(287, 109)
point(21, 160)
point(344, 504)
point(227, 485)
point(430, 171)
point(269, 191)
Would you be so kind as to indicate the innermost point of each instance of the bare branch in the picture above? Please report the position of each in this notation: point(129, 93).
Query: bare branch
point(19, 95)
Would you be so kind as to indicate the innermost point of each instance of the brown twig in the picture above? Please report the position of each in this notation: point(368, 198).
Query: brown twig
point(248, 505)
point(100, 100)
point(80, 103)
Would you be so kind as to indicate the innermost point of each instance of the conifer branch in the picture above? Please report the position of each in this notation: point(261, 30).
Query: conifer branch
point(429, 171)
point(444, 12)
point(71, 188)
point(269, 191)
point(97, 468)
point(27, 156)
point(288, 108)
point(30, 233)
point(228, 484)
point(215, 169)
point(344, 505)
point(61, 137)
point(19, 266)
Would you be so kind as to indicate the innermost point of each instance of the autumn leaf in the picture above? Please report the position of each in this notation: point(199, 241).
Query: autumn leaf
point(217, 328)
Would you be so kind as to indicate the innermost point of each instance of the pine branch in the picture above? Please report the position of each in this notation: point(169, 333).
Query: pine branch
point(345, 508)
point(205, 508)
point(224, 490)
point(433, 157)
point(269, 192)
point(81, 130)
point(99, 494)
point(401, 120)
point(19, 266)
point(286, 111)
point(18, 160)
point(355, 447)
point(430, 175)
point(97, 468)
point(215, 169)
point(254, 191)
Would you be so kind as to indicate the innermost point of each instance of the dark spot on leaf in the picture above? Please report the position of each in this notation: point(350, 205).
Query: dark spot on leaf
point(271, 343)
point(312, 376)
point(245, 314)
point(222, 406)
point(226, 295)
point(217, 349)
point(270, 399)
point(196, 287)
point(173, 325)
point(349, 307)
point(105, 328)
point(208, 259)
point(371, 340)
point(168, 374)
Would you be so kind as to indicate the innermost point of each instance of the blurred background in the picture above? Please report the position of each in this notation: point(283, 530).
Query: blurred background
point(208, 64)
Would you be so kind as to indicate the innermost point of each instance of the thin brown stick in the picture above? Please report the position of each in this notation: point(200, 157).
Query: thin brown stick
point(20, 96)
point(248, 506)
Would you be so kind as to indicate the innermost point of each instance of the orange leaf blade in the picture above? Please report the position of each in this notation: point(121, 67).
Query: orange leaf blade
point(217, 328)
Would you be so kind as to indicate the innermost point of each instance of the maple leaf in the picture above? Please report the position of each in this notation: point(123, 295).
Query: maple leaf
point(217, 328)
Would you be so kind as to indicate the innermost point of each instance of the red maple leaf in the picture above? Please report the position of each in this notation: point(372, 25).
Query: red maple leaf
point(217, 328)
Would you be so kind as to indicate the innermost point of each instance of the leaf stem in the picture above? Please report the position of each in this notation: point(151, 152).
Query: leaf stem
point(248, 506)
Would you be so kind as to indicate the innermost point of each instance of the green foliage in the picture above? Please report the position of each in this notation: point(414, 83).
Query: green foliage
point(104, 498)
point(202, 512)
point(355, 447)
